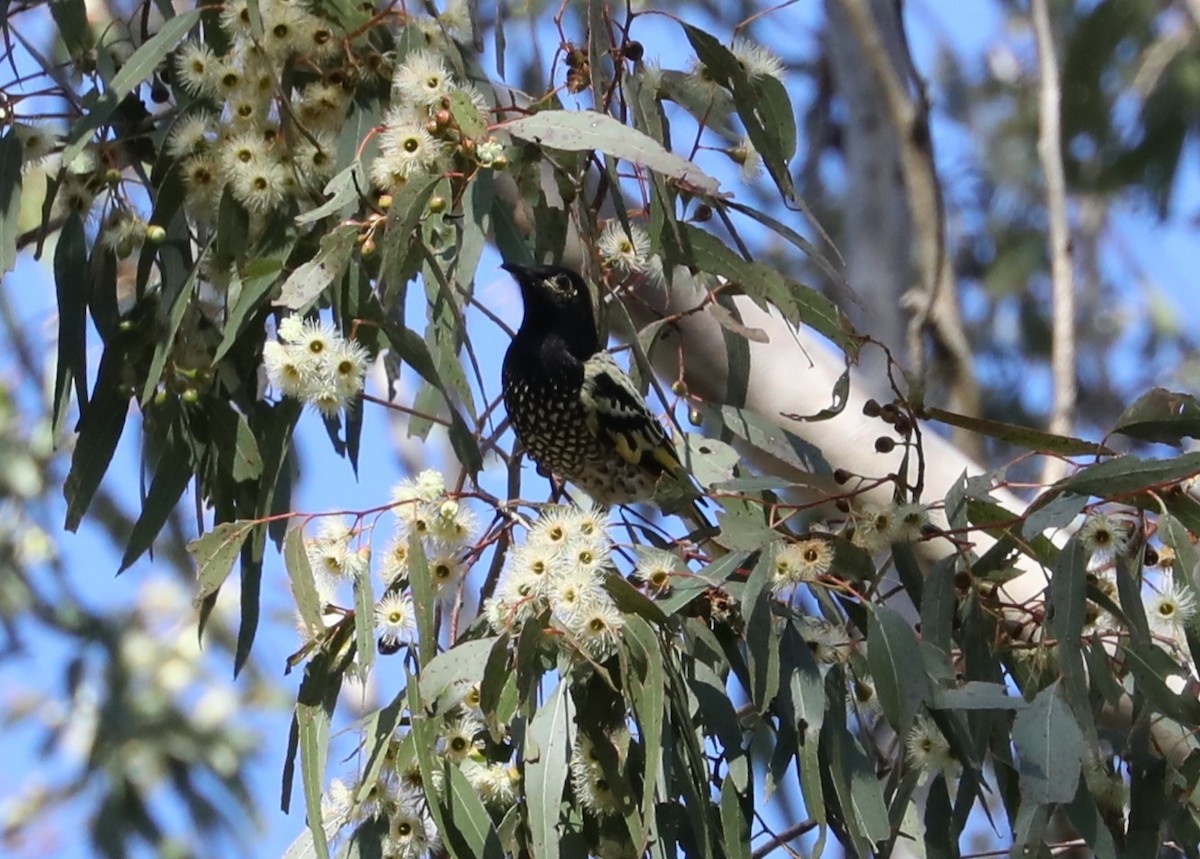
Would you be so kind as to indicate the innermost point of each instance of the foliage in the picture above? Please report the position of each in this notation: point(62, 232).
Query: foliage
point(311, 189)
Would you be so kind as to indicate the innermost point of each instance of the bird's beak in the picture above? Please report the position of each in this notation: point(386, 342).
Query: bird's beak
point(517, 270)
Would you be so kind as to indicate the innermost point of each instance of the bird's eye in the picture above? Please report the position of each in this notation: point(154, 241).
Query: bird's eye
point(563, 283)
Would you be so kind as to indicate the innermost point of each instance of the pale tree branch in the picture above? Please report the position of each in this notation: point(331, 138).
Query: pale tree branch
point(1062, 356)
point(933, 300)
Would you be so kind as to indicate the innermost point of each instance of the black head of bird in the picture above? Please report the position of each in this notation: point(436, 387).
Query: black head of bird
point(557, 301)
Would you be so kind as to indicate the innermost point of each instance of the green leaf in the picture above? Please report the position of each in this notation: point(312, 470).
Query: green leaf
point(630, 600)
point(1128, 474)
point(345, 191)
point(101, 423)
point(685, 588)
point(257, 279)
point(1029, 828)
point(10, 199)
point(237, 448)
point(1068, 614)
point(466, 115)
point(938, 606)
point(1088, 822)
point(1020, 436)
point(446, 678)
point(314, 747)
point(1050, 748)
point(171, 478)
point(897, 667)
point(215, 553)
point(582, 130)
point(762, 643)
point(547, 755)
point(702, 251)
point(136, 69)
point(364, 621)
point(71, 17)
point(762, 103)
point(72, 285)
point(790, 449)
point(1058, 512)
point(1151, 667)
point(733, 822)
point(648, 700)
point(465, 819)
point(1166, 417)
point(421, 583)
point(977, 695)
point(304, 586)
point(856, 787)
point(806, 689)
point(309, 280)
point(412, 349)
point(178, 305)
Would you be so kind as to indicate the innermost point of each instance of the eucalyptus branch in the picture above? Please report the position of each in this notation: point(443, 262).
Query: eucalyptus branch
point(1062, 357)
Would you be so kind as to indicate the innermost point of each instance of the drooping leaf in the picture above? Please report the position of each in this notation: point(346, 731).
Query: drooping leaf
point(72, 285)
point(1020, 436)
point(258, 278)
point(733, 821)
point(215, 553)
point(469, 828)
point(364, 622)
point(314, 748)
point(100, 428)
point(171, 478)
point(762, 642)
point(977, 695)
point(547, 754)
point(1163, 416)
point(309, 280)
point(1050, 748)
point(897, 667)
point(304, 587)
point(447, 677)
point(581, 130)
point(1128, 474)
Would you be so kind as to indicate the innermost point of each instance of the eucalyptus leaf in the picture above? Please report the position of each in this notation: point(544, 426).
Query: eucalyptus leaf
point(581, 130)
point(547, 754)
point(1050, 748)
point(216, 551)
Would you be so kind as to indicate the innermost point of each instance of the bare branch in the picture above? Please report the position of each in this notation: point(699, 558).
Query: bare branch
point(1062, 357)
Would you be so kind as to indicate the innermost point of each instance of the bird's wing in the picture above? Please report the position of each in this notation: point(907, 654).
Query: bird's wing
point(616, 411)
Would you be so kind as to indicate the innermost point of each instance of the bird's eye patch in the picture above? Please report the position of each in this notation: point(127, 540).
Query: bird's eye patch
point(563, 284)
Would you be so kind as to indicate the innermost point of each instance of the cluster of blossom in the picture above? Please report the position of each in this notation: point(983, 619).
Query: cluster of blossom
point(398, 796)
point(876, 528)
point(804, 561)
point(417, 137)
point(800, 562)
point(591, 785)
point(311, 361)
point(1170, 605)
point(627, 252)
point(561, 569)
point(232, 138)
point(928, 750)
point(707, 96)
point(334, 558)
point(444, 527)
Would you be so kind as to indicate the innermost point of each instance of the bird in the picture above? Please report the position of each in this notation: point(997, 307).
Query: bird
point(575, 411)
